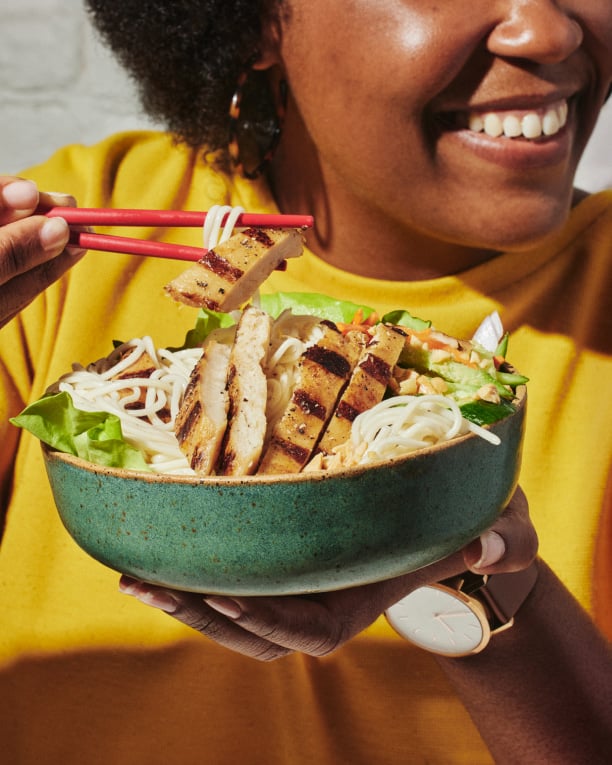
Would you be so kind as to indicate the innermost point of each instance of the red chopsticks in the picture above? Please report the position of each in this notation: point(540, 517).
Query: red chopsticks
point(92, 216)
point(84, 216)
point(152, 249)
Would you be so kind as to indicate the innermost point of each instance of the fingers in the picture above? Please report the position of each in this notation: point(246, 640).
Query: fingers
point(33, 248)
point(267, 628)
point(27, 243)
point(509, 545)
point(18, 198)
point(305, 624)
point(193, 611)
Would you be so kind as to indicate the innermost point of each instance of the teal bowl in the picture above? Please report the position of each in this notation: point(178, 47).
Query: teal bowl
point(271, 535)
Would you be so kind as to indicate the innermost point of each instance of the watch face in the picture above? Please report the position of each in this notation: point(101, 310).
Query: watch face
point(441, 620)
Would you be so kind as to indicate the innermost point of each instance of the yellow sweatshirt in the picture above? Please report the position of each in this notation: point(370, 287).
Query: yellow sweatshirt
point(89, 676)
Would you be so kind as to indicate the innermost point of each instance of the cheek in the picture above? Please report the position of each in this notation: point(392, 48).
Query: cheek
point(363, 53)
point(362, 90)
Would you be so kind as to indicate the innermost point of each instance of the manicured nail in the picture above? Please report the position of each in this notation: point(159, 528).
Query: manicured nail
point(159, 599)
point(60, 197)
point(156, 598)
point(21, 195)
point(54, 234)
point(493, 549)
point(225, 606)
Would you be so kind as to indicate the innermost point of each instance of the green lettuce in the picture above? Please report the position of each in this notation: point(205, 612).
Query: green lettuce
point(313, 304)
point(206, 322)
point(308, 303)
point(95, 436)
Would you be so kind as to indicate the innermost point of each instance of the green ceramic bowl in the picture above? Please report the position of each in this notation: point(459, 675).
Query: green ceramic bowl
point(292, 534)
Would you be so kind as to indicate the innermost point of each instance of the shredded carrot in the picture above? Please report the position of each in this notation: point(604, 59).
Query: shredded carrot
point(358, 323)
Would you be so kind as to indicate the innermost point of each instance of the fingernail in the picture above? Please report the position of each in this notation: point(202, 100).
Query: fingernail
point(155, 598)
point(60, 197)
point(225, 606)
point(493, 549)
point(54, 234)
point(21, 195)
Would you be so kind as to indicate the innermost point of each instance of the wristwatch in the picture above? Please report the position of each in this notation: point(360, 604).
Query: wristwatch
point(458, 616)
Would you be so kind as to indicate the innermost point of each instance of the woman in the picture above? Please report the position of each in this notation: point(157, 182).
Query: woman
point(436, 147)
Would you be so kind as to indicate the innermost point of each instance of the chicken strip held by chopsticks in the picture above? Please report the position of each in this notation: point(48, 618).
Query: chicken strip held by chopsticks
point(228, 275)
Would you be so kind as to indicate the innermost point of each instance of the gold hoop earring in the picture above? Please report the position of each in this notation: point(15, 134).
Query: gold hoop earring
point(253, 140)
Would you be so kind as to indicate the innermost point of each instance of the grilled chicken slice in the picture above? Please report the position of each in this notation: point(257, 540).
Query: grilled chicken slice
point(229, 274)
point(248, 389)
point(367, 385)
point(323, 370)
point(202, 419)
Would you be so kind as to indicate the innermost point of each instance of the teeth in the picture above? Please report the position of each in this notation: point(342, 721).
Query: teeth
point(530, 125)
point(551, 123)
point(512, 126)
point(493, 125)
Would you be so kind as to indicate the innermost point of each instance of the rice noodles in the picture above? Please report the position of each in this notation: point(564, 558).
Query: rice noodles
point(403, 424)
point(146, 406)
point(290, 337)
point(213, 222)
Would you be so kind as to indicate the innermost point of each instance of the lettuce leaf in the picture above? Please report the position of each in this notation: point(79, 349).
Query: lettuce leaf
point(308, 303)
point(403, 318)
point(313, 304)
point(94, 436)
point(206, 322)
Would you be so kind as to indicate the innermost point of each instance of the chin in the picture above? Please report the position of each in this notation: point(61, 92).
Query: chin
point(523, 222)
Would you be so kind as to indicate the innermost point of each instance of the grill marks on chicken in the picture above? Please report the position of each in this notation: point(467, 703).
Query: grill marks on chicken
point(229, 274)
point(201, 421)
point(222, 424)
point(367, 385)
point(248, 392)
point(323, 371)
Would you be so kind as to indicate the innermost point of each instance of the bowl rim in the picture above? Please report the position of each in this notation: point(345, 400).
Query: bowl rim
point(51, 454)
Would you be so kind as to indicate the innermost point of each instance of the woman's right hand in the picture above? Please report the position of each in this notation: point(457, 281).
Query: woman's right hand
point(33, 248)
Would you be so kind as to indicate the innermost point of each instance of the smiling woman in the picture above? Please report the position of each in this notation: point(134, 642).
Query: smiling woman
point(436, 146)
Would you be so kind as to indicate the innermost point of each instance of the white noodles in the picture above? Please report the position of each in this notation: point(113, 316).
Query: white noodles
point(290, 337)
point(403, 424)
point(213, 222)
point(148, 426)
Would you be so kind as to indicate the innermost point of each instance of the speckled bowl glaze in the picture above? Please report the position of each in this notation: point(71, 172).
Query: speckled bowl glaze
point(293, 534)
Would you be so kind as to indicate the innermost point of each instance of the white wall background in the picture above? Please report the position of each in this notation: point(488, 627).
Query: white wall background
point(58, 85)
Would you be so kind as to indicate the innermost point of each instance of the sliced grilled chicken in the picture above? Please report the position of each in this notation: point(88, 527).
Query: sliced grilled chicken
point(202, 419)
point(229, 274)
point(247, 388)
point(367, 385)
point(323, 370)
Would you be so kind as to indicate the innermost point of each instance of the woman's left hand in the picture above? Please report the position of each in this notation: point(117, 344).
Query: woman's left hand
point(268, 628)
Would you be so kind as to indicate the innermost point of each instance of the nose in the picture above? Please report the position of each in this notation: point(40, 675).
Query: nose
point(536, 30)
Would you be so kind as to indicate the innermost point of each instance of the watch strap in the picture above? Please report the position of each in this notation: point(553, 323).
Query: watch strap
point(504, 594)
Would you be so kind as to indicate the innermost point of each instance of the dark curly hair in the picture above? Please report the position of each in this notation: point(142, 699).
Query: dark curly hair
point(185, 57)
